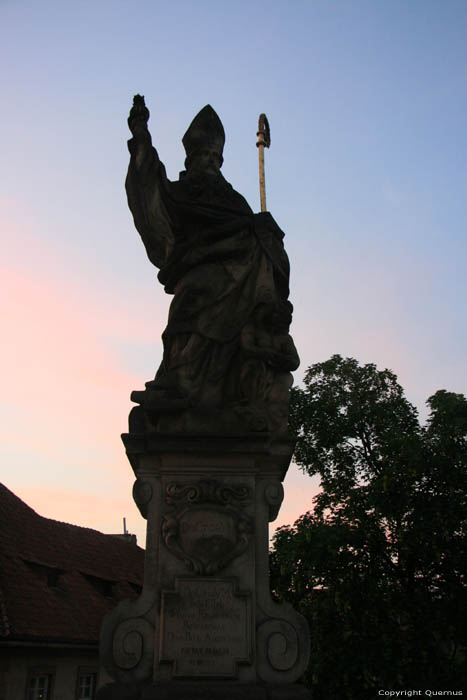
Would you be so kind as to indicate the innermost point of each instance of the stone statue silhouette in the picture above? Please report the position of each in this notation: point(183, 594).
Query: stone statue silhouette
point(227, 350)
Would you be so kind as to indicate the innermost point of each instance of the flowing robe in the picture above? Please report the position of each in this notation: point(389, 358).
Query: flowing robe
point(220, 261)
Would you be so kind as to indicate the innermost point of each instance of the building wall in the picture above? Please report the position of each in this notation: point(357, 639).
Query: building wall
point(18, 663)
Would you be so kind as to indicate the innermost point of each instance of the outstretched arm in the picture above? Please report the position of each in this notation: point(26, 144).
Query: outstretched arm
point(145, 183)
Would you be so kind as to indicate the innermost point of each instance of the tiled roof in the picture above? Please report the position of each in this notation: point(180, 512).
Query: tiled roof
point(57, 580)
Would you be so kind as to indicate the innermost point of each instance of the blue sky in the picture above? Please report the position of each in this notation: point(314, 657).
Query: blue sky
point(366, 175)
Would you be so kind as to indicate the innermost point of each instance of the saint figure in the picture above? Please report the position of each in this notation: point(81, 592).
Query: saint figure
point(227, 352)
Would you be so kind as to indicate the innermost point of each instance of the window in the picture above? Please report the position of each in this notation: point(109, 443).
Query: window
point(86, 685)
point(39, 686)
point(48, 574)
point(101, 585)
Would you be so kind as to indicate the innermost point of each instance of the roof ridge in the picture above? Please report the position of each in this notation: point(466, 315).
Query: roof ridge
point(63, 523)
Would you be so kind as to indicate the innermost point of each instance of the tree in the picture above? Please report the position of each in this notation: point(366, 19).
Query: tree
point(379, 566)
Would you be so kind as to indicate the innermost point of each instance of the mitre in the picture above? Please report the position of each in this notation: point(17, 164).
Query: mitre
point(205, 131)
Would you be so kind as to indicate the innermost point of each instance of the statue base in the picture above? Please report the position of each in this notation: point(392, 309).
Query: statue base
point(205, 625)
point(189, 690)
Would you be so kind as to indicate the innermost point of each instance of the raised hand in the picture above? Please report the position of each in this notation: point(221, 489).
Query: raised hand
point(139, 115)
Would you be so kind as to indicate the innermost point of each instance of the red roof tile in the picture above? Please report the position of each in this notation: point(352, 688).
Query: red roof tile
point(55, 578)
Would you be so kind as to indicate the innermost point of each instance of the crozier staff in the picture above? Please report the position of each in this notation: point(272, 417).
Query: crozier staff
point(264, 141)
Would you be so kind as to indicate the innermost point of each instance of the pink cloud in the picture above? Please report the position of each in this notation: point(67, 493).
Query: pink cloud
point(299, 490)
point(55, 367)
point(65, 391)
point(62, 373)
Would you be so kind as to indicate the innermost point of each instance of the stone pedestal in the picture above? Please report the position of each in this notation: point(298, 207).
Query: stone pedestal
point(205, 625)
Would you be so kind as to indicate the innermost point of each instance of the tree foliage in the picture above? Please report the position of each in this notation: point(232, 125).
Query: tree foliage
point(379, 566)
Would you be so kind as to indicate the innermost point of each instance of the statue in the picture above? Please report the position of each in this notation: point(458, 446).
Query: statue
point(227, 349)
point(208, 441)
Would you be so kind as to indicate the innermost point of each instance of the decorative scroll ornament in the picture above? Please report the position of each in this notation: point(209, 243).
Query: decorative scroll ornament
point(206, 527)
point(133, 645)
point(278, 649)
point(207, 491)
point(273, 495)
point(142, 494)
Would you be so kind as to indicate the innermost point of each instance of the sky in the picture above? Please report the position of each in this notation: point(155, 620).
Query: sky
point(366, 175)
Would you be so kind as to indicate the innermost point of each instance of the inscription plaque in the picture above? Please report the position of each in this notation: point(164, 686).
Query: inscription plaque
point(205, 628)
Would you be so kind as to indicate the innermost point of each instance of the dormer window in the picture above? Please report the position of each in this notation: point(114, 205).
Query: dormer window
point(101, 585)
point(50, 575)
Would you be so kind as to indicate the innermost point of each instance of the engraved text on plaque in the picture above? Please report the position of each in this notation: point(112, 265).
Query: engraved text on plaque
point(205, 627)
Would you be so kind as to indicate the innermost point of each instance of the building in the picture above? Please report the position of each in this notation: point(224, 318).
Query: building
point(57, 581)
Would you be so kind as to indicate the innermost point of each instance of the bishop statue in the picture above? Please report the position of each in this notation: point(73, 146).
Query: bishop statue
point(227, 350)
